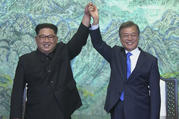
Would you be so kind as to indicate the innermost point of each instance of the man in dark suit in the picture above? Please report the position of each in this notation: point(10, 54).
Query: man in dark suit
point(51, 89)
point(133, 91)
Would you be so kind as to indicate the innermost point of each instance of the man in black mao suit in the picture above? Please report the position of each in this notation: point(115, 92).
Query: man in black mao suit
point(51, 89)
point(135, 97)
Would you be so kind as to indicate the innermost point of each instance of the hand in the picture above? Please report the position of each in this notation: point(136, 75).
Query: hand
point(93, 11)
point(87, 17)
point(86, 10)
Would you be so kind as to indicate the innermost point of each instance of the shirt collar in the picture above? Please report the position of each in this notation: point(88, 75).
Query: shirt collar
point(134, 52)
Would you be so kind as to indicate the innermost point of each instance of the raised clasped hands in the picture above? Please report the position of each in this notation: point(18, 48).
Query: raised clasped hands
point(90, 11)
point(93, 11)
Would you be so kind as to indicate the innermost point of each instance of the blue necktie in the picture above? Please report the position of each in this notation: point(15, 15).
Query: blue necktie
point(128, 72)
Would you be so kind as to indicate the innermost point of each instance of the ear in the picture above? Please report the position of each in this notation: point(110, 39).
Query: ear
point(56, 38)
point(36, 38)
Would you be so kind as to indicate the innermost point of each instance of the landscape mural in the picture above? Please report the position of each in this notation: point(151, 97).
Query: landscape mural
point(158, 21)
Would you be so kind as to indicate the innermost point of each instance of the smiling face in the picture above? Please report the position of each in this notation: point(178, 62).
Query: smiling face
point(129, 37)
point(46, 40)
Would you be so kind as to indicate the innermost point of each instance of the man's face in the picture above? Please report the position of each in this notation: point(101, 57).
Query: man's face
point(129, 38)
point(46, 40)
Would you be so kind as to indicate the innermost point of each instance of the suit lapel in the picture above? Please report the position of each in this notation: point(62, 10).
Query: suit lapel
point(123, 64)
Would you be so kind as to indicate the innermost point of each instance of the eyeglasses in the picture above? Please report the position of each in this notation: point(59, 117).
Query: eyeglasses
point(125, 36)
point(50, 37)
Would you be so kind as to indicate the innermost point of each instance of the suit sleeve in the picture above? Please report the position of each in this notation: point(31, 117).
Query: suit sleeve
point(104, 49)
point(154, 91)
point(78, 41)
point(17, 93)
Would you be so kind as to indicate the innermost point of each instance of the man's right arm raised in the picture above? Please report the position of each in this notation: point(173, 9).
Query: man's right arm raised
point(104, 49)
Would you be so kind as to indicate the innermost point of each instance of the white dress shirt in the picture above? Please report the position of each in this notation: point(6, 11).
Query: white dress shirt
point(134, 57)
point(94, 27)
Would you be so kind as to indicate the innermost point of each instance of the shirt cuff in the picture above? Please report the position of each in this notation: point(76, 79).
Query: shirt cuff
point(94, 27)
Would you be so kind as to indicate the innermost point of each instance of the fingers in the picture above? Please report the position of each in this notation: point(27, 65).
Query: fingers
point(87, 8)
point(91, 11)
point(91, 7)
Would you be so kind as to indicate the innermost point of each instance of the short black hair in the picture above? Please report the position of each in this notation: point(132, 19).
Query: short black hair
point(46, 25)
point(128, 24)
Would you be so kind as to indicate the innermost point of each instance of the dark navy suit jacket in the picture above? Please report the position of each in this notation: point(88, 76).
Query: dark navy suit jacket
point(142, 91)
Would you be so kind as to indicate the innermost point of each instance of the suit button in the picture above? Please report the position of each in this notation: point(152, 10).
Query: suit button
point(48, 70)
point(51, 82)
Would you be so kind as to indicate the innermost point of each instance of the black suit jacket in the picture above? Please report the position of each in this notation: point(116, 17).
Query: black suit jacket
point(51, 89)
point(142, 91)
